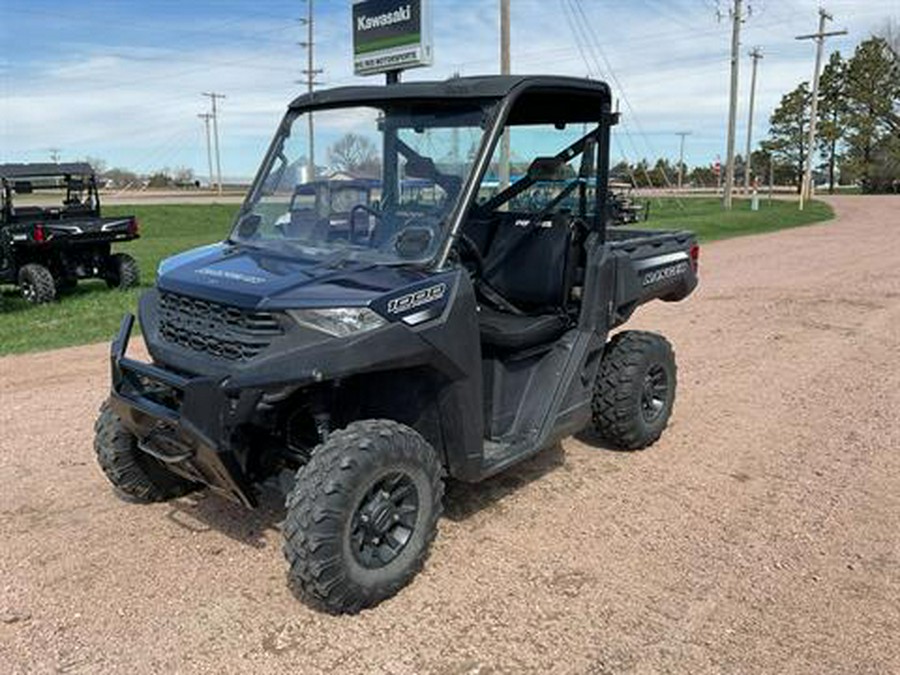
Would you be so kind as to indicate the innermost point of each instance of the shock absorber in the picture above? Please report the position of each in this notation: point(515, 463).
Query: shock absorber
point(322, 421)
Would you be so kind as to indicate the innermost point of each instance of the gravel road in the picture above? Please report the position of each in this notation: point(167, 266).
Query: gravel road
point(759, 535)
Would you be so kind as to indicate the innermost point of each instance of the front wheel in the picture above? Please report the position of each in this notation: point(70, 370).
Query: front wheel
point(136, 475)
point(122, 272)
point(362, 515)
point(635, 390)
point(36, 283)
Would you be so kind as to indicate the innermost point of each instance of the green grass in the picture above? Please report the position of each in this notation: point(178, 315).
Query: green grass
point(704, 215)
point(91, 313)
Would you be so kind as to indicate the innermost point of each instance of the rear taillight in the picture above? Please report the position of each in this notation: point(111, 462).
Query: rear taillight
point(133, 227)
point(39, 235)
point(695, 257)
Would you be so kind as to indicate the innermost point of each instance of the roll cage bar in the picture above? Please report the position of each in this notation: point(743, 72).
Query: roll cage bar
point(504, 92)
point(605, 119)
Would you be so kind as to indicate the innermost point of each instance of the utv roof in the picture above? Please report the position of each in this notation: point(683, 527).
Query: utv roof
point(46, 169)
point(568, 91)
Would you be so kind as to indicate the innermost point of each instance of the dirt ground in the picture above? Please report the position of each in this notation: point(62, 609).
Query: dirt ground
point(759, 535)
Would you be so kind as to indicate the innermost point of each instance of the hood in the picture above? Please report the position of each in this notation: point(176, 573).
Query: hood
point(254, 278)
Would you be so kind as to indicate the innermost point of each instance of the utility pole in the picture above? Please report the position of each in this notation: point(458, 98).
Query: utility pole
point(206, 117)
point(681, 155)
point(737, 18)
point(504, 70)
point(215, 118)
point(756, 55)
point(310, 72)
point(806, 188)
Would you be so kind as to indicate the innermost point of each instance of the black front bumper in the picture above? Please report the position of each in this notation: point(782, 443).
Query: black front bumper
point(187, 423)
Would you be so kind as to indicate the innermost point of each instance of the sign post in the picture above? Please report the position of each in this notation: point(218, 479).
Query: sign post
point(390, 36)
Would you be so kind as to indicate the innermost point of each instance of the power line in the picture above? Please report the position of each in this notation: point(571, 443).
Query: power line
point(582, 43)
point(596, 42)
point(806, 188)
point(215, 118)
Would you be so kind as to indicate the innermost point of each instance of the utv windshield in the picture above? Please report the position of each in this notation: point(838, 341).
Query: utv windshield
point(363, 183)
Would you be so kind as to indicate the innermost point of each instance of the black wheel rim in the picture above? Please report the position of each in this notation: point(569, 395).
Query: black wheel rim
point(28, 291)
point(384, 520)
point(655, 393)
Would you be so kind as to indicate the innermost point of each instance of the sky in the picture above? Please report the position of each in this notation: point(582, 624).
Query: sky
point(122, 81)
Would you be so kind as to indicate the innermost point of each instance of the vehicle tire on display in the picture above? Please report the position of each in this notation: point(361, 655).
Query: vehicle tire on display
point(36, 284)
point(123, 272)
point(136, 475)
point(635, 390)
point(362, 515)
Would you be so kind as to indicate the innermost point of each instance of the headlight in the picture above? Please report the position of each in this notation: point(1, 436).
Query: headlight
point(338, 321)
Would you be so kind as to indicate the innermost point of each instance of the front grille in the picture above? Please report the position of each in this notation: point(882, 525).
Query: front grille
point(218, 330)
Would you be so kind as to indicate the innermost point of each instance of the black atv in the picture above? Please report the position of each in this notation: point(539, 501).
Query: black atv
point(624, 208)
point(58, 236)
point(361, 360)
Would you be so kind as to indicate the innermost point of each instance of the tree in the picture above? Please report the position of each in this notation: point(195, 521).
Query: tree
point(621, 171)
point(356, 155)
point(183, 176)
point(890, 31)
point(120, 177)
point(702, 176)
point(833, 109)
point(97, 164)
point(767, 166)
point(160, 179)
point(873, 115)
point(642, 174)
point(788, 127)
point(663, 173)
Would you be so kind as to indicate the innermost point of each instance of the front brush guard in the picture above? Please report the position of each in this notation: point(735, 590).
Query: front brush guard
point(184, 422)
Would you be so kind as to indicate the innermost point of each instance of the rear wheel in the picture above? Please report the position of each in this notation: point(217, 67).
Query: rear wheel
point(136, 475)
point(635, 390)
point(123, 272)
point(362, 515)
point(36, 284)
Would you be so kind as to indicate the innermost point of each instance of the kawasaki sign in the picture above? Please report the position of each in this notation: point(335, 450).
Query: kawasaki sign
point(391, 35)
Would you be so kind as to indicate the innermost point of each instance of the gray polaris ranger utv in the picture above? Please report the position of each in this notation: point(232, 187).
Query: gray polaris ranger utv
point(452, 322)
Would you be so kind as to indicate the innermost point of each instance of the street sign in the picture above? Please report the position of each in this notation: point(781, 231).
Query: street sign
point(391, 35)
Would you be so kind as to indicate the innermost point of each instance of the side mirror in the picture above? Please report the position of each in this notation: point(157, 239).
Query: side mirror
point(249, 226)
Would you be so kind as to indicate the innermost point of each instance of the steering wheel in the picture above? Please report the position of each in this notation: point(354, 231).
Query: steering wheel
point(474, 254)
point(379, 216)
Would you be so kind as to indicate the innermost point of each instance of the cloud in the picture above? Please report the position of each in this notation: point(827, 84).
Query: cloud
point(127, 86)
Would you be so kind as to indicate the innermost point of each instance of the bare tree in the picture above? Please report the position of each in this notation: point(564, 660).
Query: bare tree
point(97, 164)
point(354, 154)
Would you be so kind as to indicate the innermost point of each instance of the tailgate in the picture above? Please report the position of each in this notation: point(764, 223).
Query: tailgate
point(654, 265)
point(92, 229)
